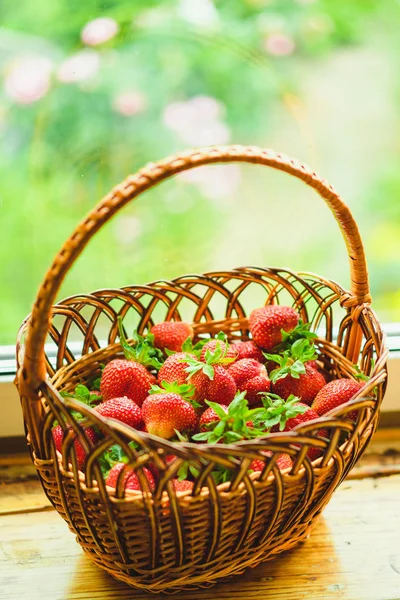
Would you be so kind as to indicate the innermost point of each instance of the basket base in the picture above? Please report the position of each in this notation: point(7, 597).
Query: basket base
point(210, 576)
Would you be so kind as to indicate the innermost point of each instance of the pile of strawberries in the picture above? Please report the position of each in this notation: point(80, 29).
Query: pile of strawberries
point(211, 391)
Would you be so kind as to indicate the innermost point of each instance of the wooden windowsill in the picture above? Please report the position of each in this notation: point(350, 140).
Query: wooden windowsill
point(353, 552)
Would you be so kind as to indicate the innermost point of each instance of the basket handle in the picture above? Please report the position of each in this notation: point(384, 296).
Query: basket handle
point(33, 371)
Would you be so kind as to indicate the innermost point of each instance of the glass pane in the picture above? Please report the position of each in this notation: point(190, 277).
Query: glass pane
point(91, 91)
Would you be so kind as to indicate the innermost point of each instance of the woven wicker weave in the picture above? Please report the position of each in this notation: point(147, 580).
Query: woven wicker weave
point(163, 540)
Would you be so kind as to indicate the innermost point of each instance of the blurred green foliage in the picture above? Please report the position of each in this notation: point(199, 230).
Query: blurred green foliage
point(249, 63)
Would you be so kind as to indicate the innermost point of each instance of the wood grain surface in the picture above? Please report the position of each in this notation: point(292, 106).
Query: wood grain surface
point(352, 554)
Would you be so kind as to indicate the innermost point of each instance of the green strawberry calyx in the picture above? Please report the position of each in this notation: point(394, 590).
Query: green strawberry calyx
point(84, 395)
point(114, 455)
point(278, 411)
point(189, 347)
point(300, 332)
point(292, 361)
point(143, 350)
point(185, 390)
point(234, 425)
point(216, 357)
point(186, 469)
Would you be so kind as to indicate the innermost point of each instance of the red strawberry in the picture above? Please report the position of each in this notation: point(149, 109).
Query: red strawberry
point(253, 387)
point(174, 368)
point(171, 335)
point(58, 436)
point(209, 416)
point(308, 415)
point(283, 462)
point(183, 485)
point(305, 387)
point(124, 410)
point(128, 378)
point(334, 394)
point(249, 350)
point(163, 413)
point(222, 388)
point(80, 452)
point(200, 382)
point(245, 369)
point(312, 453)
point(169, 458)
point(250, 376)
point(131, 480)
point(266, 323)
point(229, 352)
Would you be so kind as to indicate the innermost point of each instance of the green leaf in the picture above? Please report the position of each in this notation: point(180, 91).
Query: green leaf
point(209, 371)
point(183, 471)
point(193, 471)
point(111, 457)
point(180, 436)
point(96, 384)
point(143, 350)
point(217, 408)
point(231, 437)
point(202, 437)
point(276, 358)
point(301, 331)
point(219, 428)
point(187, 345)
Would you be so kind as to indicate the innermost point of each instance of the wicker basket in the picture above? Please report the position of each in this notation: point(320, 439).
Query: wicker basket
point(164, 540)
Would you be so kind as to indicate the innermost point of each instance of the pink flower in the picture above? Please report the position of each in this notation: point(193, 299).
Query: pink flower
point(279, 44)
point(197, 121)
point(215, 183)
point(99, 31)
point(129, 103)
point(199, 134)
point(127, 229)
point(28, 79)
point(79, 66)
point(199, 12)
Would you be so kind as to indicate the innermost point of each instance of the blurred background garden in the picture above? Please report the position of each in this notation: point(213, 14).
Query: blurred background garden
point(91, 91)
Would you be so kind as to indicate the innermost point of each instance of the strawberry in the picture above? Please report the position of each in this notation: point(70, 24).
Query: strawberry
point(174, 368)
point(210, 416)
point(245, 369)
point(171, 335)
point(249, 350)
point(250, 376)
point(233, 422)
point(276, 412)
point(183, 485)
point(303, 417)
point(266, 324)
point(309, 414)
point(128, 378)
point(169, 458)
point(306, 385)
point(334, 394)
point(218, 351)
point(211, 378)
point(124, 410)
point(163, 413)
point(294, 375)
point(130, 478)
point(58, 437)
point(200, 382)
point(254, 387)
point(283, 462)
point(221, 388)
